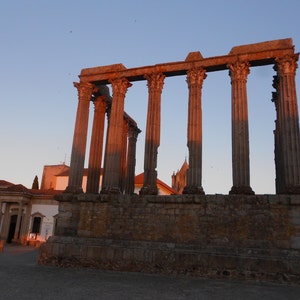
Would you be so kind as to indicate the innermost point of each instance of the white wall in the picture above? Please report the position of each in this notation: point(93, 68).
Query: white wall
point(47, 225)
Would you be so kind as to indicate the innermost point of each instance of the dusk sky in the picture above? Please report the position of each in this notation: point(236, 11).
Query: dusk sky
point(45, 44)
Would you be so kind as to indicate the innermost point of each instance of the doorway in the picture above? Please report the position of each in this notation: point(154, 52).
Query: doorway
point(12, 228)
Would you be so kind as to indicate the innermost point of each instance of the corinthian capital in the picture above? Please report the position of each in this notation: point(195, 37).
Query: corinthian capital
point(239, 70)
point(155, 81)
point(85, 90)
point(286, 65)
point(120, 86)
point(195, 77)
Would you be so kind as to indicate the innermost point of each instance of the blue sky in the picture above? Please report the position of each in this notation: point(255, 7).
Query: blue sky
point(45, 44)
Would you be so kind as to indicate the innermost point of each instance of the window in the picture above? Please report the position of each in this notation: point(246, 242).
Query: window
point(36, 225)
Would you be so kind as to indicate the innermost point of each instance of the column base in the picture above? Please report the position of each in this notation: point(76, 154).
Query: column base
point(197, 190)
point(148, 190)
point(245, 190)
point(110, 190)
point(73, 190)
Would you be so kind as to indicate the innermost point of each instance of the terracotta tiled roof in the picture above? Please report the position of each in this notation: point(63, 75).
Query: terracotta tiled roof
point(5, 184)
point(139, 180)
point(18, 188)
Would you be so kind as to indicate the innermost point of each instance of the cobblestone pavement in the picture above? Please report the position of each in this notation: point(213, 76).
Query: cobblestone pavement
point(22, 278)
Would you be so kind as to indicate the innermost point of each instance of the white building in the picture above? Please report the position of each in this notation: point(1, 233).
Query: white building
point(28, 216)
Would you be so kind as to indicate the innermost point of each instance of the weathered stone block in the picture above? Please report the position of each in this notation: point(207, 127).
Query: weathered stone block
point(295, 216)
point(224, 236)
point(295, 242)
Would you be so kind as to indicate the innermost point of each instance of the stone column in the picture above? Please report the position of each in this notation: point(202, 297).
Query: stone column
point(1, 217)
point(155, 86)
point(238, 72)
point(108, 110)
point(85, 91)
point(124, 154)
point(112, 172)
point(287, 127)
point(25, 222)
point(277, 144)
point(131, 154)
point(96, 147)
point(195, 79)
point(18, 223)
point(5, 222)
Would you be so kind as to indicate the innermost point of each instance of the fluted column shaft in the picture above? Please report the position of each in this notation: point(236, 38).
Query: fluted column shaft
point(96, 147)
point(240, 133)
point(131, 158)
point(124, 155)
point(288, 125)
point(155, 86)
point(108, 110)
point(195, 79)
point(85, 91)
point(112, 172)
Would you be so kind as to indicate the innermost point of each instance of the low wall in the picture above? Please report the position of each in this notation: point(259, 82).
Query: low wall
point(255, 237)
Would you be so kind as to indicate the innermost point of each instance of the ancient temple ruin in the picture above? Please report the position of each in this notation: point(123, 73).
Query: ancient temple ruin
point(239, 61)
point(192, 233)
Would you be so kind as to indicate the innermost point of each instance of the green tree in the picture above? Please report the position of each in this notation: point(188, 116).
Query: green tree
point(35, 184)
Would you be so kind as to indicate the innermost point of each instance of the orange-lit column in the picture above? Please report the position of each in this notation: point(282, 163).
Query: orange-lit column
point(112, 171)
point(95, 157)
point(85, 91)
point(131, 154)
point(195, 79)
point(108, 110)
point(155, 86)
point(240, 133)
point(124, 154)
point(288, 125)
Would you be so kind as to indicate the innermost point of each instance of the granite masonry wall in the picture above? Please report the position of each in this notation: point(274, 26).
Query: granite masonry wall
point(250, 237)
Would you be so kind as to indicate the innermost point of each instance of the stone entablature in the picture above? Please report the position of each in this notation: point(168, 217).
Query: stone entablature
point(258, 54)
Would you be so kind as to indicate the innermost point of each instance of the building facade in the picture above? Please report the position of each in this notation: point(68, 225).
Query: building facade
point(27, 216)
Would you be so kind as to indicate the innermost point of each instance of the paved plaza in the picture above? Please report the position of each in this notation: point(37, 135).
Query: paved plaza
point(22, 278)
